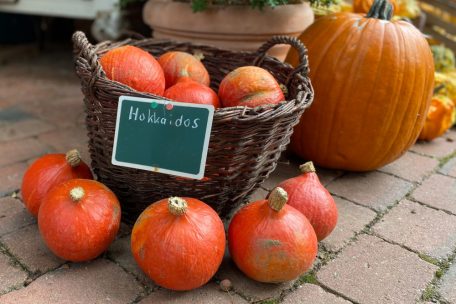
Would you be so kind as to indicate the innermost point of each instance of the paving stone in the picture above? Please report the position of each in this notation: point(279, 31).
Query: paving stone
point(374, 271)
point(283, 171)
point(62, 111)
point(11, 177)
point(374, 189)
point(28, 247)
point(438, 191)
point(11, 277)
point(67, 139)
point(352, 219)
point(451, 134)
point(98, 282)
point(21, 150)
point(22, 129)
point(407, 166)
point(287, 169)
point(419, 228)
point(447, 288)
point(13, 215)
point(439, 147)
point(258, 194)
point(254, 290)
point(207, 294)
point(310, 293)
point(449, 168)
point(120, 251)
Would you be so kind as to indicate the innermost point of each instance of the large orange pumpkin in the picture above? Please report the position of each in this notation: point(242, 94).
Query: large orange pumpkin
point(373, 82)
point(79, 219)
point(179, 242)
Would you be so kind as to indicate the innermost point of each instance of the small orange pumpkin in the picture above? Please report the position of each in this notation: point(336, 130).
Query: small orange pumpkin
point(177, 65)
point(270, 241)
point(79, 219)
point(249, 86)
point(48, 171)
point(310, 197)
point(438, 119)
point(135, 68)
point(188, 90)
point(178, 242)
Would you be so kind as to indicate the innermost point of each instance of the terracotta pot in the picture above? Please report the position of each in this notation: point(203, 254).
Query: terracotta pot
point(228, 27)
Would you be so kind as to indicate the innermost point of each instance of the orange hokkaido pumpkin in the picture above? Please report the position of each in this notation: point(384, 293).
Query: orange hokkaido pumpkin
point(177, 65)
point(270, 241)
point(363, 6)
point(373, 82)
point(188, 90)
point(249, 86)
point(178, 242)
point(48, 171)
point(79, 219)
point(310, 197)
point(135, 68)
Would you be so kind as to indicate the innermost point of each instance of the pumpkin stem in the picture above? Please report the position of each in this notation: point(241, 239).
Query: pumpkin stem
point(73, 158)
point(307, 167)
point(381, 9)
point(77, 194)
point(277, 199)
point(177, 206)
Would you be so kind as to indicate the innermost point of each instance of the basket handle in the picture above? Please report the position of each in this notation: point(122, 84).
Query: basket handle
point(83, 48)
point(302, 67)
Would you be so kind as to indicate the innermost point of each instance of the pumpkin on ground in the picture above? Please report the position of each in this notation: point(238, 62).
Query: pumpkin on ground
point(270, 241)
point(188, 90)
point(79, 219)
point(47, 172)
point(135, 68)
point(439, 118)
point(373, 82)
point(177, 65)
point(249, 86)
point(179, 243)
point(310, 197)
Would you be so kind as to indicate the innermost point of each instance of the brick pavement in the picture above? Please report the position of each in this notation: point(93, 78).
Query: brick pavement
point(395, 241)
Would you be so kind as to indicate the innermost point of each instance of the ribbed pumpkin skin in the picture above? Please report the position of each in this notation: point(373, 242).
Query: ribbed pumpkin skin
point(373, 82)
point(179, 252)
point(135, 68)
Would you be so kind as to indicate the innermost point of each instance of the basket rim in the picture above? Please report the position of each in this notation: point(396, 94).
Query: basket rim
point(303, 99)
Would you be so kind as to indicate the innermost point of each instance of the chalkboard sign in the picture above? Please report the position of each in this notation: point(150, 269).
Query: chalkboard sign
point(162, 136)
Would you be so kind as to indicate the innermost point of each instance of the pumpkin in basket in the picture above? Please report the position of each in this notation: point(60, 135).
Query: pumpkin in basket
point(135, 68)
point(178, 242)
point(177, 65)
point(372, 89)
point(249, 86)
point(188, 90)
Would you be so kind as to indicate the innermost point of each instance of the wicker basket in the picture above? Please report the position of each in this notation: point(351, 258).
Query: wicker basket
point(245, 143)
